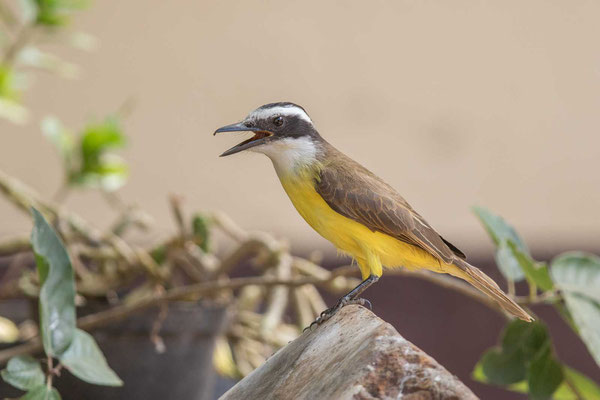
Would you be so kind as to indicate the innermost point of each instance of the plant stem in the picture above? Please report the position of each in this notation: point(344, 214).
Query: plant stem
point(50, 372)
point(511, 288)
point(14, 246)
point(12, 51)
point(61, 194)
point(573, 388)
point(117, 313)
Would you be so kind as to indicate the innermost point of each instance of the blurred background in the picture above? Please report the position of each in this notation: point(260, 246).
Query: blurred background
point(454, 104)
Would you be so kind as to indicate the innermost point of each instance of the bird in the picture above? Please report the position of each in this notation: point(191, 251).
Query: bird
point(353, 208)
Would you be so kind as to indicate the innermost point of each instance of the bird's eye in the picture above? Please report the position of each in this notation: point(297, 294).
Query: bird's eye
point(278, 121)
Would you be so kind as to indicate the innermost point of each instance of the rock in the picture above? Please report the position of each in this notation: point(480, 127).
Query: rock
point(354, 355)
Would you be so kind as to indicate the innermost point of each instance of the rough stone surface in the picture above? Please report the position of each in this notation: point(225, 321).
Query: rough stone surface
point(354, 355)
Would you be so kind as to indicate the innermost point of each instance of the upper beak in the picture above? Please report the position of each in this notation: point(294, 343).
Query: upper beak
point(258, 138)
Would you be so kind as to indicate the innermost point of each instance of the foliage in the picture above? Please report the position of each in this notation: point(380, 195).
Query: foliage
point(85, 360)
point(56, 12)
point(20, 55)
point(57, 294)
point(89, 162)
point(525, 360)
point(75, 349)
point(200, 229)
point(23, 372)
point(578, 277)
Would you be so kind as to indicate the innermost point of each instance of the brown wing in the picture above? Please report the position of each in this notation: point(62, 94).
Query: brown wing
point(356, 193)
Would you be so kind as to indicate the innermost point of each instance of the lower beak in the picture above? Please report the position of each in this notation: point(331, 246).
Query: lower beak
point(259, 137)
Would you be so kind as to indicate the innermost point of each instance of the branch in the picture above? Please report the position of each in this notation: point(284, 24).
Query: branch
point(455, 284)
point(117, 313)
point(14, 246)
point(20, 41)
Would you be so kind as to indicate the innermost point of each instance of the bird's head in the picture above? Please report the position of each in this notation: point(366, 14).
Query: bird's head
point(278, 129)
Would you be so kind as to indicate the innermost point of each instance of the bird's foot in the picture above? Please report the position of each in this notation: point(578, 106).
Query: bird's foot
point(330, 312)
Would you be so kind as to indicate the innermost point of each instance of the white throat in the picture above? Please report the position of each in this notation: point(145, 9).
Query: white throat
point(289, 155)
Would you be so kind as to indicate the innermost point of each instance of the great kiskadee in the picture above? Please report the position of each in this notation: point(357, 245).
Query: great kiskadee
point(351, 207)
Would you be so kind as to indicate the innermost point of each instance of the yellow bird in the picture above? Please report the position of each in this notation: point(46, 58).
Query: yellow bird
point(351, 207)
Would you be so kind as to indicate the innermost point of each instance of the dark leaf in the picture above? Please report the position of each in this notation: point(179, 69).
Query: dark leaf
point(23, 372)
point(85, 360)
point(521, 341)
point(585, 387)
point(503, 368)
point(201, 232)
point(42, 392)
point(544, 374)
point(57, 294)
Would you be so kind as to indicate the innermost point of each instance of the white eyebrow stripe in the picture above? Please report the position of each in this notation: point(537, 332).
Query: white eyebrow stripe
point(289, 110)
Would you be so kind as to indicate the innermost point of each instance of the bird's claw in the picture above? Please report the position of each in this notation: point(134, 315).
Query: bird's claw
point(344, 301)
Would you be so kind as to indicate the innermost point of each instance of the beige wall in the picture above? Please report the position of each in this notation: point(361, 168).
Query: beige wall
point(456, 103)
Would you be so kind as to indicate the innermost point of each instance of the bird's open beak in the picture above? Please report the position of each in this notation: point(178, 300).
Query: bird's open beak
point(259, 137)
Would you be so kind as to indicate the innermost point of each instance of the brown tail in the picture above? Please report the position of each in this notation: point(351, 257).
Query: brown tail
point(485, 284)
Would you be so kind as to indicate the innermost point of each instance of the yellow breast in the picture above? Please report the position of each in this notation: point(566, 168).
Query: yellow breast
point(370, 249)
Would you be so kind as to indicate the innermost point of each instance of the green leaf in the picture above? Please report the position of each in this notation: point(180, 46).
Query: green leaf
point(99, 137)
point(42, 392)
point(57, 294)
point(544, 375)
point(8, 86)
point(508, 264)
point(498, 229)
point(501, 233)
point(525, 337)
point(521, 341)
point(585, 387)
point(535, 272)
point(159, 254)
point(56, 12)
point(85, 360)
point(109, 174)
point(23, 372)
point(10, 94)
point(577, 275)
point(98, 167)
point(578, 272)
point(200, 228)
point(502, 368)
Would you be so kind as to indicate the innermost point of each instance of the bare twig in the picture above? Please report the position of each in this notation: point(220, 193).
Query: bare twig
point(449, 282)
point(175, 202)
point(229, 227)
point(102, 318)
point(117, 313)
point(14, 246)
point(278, 296)
point(23, 36)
